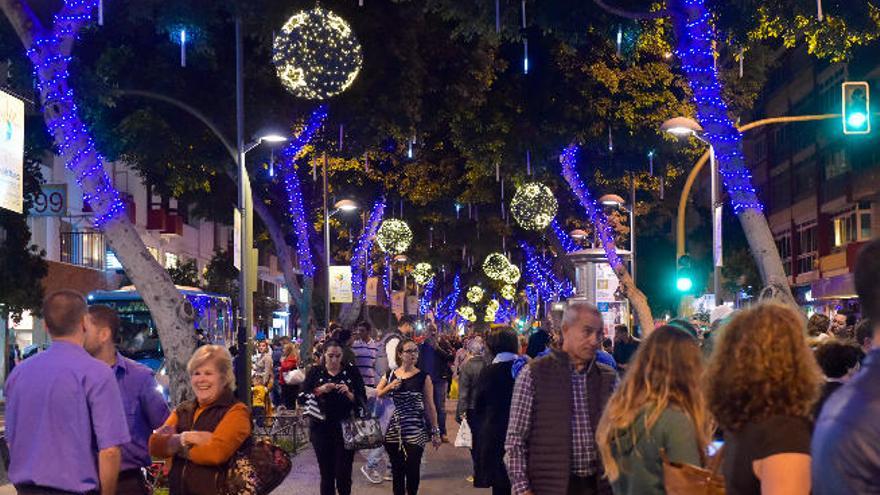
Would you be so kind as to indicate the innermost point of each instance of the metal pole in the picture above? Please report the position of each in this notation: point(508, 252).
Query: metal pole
point(632, 225)
point(716, 227)
point(326, 249)
point(244, 195)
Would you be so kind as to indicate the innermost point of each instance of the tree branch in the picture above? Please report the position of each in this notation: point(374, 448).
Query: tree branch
point(638, 16)
point(23, 19)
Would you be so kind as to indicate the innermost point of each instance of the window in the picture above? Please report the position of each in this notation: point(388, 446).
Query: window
point(854, 225)
point(171, 260)
point(836, 164)
point(808, 247)
point(865, 226)
point(783, 244)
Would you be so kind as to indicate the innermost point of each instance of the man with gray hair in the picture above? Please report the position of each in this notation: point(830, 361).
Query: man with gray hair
point(566, 387)
point(65, 421)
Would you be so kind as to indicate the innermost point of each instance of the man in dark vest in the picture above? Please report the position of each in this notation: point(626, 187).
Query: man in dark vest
point(566, 387)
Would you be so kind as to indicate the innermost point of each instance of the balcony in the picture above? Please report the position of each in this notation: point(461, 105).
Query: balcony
point(841, 262)
point(83, 249)
point(164, 221)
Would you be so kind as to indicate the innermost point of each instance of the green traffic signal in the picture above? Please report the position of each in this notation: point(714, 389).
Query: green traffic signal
point(856, 107)
point(683, 280)
point(684, 283)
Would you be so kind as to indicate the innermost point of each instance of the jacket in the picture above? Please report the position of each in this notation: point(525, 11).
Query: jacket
point(550, 444)
point(846, 442)
point(488, 420)
point(468, 377)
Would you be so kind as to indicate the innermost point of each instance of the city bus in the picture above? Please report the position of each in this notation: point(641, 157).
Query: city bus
point(138, 337)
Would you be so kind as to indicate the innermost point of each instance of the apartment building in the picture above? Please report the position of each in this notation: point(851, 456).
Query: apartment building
point(821, 188)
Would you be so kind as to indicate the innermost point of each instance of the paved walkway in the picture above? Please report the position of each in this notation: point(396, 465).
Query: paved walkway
point(444, 474)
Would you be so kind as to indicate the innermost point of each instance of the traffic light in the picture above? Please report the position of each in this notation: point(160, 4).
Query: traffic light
point(856, 108)
point(684, 281)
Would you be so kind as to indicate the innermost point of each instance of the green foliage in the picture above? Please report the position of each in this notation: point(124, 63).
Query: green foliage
point(186, 273)
point(221, 275)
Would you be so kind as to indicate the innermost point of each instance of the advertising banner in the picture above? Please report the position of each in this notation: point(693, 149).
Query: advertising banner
point(340, 284)
point(11, 153)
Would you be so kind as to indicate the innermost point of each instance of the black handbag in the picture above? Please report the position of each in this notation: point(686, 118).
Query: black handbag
point(362, 431)
point(256, 468)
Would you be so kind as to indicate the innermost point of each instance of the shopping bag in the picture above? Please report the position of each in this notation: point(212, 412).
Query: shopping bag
point(463, 438)
point(453, 390)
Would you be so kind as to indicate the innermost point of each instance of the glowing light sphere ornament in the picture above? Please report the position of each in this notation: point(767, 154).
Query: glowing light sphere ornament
point(467, 312)
point(316, 54)
point(533, 206)
point(511, 275)
point(475, 294)
point(495, 265)
point(394, 236)
point(508, 292)
point(423, 273)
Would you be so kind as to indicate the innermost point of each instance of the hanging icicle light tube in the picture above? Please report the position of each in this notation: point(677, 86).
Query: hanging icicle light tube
point(475, 294)
point(533, 206)
point(316, 54)
point(423, 273)
point(394, 236)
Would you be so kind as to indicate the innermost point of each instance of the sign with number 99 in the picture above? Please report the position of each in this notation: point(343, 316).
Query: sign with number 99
point(51, 201)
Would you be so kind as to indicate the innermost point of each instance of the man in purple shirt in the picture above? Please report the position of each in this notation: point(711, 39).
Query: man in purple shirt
point(64, 417)
point(145, 408)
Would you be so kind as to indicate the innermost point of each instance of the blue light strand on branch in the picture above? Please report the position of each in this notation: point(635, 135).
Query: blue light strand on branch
point(427, 296)
point(47, 53)
point(446, 308)
point(532, 298)
point(539, 272)
point(386, 277)
point(292, 188)
point(695, 35)
point(505, 313)
point(360, 259)
point(565, 240)
point(597, 217)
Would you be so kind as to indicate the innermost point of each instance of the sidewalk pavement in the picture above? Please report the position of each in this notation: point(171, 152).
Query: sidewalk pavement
point(444, 474)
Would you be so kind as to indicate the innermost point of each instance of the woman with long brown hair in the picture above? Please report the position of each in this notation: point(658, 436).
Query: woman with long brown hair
point(761, 384)
point(659, 406)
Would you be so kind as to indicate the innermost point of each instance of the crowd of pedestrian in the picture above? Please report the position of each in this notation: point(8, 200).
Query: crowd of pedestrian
point(782, 404)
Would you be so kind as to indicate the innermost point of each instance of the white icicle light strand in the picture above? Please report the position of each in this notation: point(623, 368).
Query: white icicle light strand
point(316, 54)
point(394, 236)
point(533, 206)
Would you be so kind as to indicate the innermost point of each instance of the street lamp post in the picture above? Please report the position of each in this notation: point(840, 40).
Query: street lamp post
point(684, 127)
point(344, 205)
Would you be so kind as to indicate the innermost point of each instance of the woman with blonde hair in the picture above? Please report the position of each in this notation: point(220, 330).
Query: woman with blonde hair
point(761, 384)
point(202, 434)
point(657, 410)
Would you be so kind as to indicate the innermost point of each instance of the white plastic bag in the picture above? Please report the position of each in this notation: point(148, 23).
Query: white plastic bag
point(294, 377)
point(463, 438)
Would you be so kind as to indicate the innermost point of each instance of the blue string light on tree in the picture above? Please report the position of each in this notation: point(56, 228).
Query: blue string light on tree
point(360, 259)
point(316, 54)
point(292, 188)
point(48, 53)
point(533, 206)
point(446, 307)
point(695, 36)
point(565, 240)
point(427, 296)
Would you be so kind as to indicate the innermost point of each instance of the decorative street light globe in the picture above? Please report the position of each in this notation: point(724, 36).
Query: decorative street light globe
point(394, 236)
point(423, 273)
point(533, 206)
point(475, 294)
point(511, 275)
point(495, 265)
point(316, 54)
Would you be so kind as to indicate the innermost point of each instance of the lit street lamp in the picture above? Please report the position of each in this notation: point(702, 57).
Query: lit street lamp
point(617, 202)
point(683, 127)
point(345, 206)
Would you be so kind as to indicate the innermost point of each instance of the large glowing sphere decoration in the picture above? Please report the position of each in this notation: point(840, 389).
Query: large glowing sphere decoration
point(533, 206)
point(467, 312)
point(423, 273)
point(495, 265)
point(511, 275)
point(508, 292)
point(394, 236)
point(316, 54)
point(475, 294)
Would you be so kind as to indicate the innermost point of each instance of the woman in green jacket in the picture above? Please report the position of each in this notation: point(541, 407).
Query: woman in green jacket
point(659, 406)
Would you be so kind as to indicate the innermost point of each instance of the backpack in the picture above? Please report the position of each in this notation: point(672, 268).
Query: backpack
point(382, 365)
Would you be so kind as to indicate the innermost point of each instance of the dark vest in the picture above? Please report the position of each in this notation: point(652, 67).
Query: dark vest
point(189, 478)
point(549, 444)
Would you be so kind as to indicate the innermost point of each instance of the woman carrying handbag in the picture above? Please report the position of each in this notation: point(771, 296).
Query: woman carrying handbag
point(338, 390)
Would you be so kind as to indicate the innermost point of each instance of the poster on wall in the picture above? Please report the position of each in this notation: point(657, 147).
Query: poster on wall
point(340, 284)
point(606, 283)
point(372, 291)
point(397, 303)
point(613, 313)
point(11, 152)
